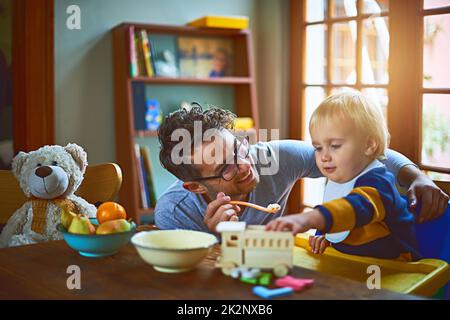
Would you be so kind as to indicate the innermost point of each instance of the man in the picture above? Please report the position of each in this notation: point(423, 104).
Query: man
point(263, 173)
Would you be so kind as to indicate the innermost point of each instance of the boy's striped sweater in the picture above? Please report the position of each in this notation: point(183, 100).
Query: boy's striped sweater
point(378, 217)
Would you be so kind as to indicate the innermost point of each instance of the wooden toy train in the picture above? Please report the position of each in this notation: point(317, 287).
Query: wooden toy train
point(253, 247)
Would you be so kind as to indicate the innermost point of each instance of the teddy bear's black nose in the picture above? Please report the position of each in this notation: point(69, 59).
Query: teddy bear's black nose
point(43, 171)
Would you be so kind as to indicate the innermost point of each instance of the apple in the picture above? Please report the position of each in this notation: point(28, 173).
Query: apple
point(114, 226)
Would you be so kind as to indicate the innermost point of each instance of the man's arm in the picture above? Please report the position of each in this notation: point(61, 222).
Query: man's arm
point(169, 214)
point(164, 220)
point(299, 157)
point(395, 162)
point(295, 159)
point(421, 189)
point(433, 201)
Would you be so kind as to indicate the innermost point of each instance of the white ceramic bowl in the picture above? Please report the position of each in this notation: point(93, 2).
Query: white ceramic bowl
point(173, 250)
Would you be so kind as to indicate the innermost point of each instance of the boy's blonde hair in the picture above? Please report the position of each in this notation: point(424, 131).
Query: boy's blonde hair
point(366, 116)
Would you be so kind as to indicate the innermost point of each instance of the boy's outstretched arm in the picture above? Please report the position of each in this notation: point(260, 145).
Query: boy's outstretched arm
point(298, 223)
point(362, 206)
point(302, 222)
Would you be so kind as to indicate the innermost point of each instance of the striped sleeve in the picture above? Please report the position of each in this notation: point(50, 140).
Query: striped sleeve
point(365, 204)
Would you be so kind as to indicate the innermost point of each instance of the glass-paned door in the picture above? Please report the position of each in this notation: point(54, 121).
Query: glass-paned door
point(346, 46)
point(435, 93)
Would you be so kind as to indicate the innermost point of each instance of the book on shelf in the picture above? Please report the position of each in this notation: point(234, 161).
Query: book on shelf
point(139, 55)
point(144, 176)
point(134, 71)
point(147, 53)
point(145, 152)
point(139, 167)
point(142, 53)
point(152, 55)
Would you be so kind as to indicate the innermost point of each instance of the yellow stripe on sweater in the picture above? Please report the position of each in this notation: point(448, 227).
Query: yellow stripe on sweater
point(342, 213)
point(372, 195)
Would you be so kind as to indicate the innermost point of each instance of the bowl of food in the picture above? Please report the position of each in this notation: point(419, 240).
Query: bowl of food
point(97, 245)
point(99, 237)
point(173, 250)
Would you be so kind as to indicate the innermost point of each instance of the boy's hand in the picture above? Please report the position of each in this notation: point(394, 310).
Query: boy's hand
point(220, 210)
point(318, 244)
point(298, 223)
point(295, 223)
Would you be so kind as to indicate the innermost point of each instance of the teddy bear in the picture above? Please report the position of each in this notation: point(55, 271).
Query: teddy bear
point(49, 177)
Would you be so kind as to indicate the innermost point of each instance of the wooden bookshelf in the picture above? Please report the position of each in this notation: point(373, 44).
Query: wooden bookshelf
point(218, 81)
point(146, 133)
point(242, 81)
point(145, 211)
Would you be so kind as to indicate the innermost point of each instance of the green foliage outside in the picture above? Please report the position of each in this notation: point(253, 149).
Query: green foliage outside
point(436, 132)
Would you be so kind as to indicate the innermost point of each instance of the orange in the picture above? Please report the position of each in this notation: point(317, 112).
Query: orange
point(110, 211)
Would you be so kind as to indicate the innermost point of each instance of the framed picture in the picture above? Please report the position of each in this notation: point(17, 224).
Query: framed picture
point(205, 57)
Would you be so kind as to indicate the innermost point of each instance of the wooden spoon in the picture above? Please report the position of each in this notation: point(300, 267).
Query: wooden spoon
point(271, 208)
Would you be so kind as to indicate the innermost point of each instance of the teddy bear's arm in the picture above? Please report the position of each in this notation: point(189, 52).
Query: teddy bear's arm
point(15, 224)
point(84, 206)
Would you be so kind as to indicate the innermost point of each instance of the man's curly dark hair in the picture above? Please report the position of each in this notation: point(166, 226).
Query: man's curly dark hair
point(213, 118)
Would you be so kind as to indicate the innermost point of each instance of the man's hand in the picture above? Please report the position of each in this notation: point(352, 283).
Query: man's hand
point(433, 200)
point(220, 210)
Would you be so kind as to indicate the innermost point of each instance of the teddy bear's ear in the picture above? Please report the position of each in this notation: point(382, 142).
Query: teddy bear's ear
point(78, 154)
point(18, 162)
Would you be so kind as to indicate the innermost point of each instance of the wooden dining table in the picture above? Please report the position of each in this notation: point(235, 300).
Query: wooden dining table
point(42, 271)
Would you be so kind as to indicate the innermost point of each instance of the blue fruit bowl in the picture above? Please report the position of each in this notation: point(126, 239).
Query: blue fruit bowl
point(97, 245)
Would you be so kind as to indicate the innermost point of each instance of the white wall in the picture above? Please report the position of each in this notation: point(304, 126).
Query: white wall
point(272, 60)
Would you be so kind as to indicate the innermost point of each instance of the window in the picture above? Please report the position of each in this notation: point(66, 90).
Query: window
point(434, 100)
point(376, 47)
point(346, 45)
point(233, 241)
point(420, 84)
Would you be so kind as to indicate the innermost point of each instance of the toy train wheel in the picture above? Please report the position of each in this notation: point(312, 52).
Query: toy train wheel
point(227, 268)
point(280, 270)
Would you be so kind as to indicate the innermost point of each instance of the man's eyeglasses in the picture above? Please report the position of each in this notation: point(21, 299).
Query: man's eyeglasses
point(229, 171)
